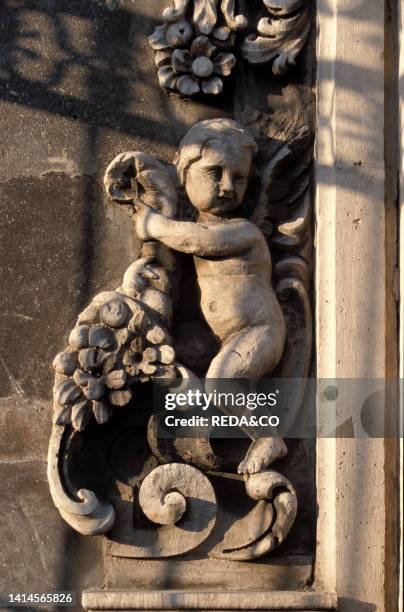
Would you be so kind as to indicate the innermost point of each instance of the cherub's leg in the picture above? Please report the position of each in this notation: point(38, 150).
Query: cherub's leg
point(251, 354)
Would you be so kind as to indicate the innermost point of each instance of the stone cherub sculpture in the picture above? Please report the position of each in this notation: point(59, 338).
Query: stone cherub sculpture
point(232, 261)
point(131, 335)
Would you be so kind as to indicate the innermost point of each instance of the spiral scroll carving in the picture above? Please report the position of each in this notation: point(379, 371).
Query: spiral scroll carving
point(181, 500)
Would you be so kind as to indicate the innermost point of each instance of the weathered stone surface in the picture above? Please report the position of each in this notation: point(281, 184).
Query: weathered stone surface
point(39, 551)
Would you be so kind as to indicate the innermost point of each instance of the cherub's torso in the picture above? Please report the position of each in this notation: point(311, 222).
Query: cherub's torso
point(236, 289)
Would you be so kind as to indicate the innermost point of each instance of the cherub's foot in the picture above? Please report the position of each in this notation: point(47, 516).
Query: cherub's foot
point(261, 454)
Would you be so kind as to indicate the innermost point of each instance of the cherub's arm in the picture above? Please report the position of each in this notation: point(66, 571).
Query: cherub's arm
point(195, 238)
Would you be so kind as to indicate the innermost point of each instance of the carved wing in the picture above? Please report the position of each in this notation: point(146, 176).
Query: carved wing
point(283, 210)
point(283, 213)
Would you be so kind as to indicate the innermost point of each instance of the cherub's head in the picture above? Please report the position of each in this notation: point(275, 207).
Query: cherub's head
point(214, 163)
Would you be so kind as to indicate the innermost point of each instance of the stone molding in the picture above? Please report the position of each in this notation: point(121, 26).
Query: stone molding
point(356, 337)
point(208, 600)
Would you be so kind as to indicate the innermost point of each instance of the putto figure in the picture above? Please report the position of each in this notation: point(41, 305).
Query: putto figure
point(135, 334)
point(232, 260)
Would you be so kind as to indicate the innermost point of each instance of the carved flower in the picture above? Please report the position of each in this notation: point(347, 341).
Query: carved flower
point(200, 68)
point(197, 68)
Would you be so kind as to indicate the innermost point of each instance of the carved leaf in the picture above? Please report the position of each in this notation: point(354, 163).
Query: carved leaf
point(109, 363)
point(158, 40)
point(78, 338)
point(66, 362)
point(181, 60)
point(283, 7)
point(88, 315)
point(235, 22)
point(101, 337)
point(163, 58)
point(205, 15)
point(279, 38)
point(66, 391)
point(81, 377)
point(202, 47)
point(81, 415)
point(167, 77)
point(102, 411)
point(91, 358)
point(173, 14)
point(61, 414)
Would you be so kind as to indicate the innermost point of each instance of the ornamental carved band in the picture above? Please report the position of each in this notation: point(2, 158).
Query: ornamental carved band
point(197, 46)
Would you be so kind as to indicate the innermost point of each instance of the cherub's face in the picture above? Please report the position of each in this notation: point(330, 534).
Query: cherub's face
point(217, 183)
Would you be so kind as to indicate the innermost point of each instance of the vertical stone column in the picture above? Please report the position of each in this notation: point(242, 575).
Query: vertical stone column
point(355, 293)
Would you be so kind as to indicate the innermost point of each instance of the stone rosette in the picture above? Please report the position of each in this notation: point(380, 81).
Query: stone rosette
point(190, 65)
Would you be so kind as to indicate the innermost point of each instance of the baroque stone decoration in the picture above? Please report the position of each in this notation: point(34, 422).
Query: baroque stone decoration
point(281, 36)
point(195, 47)
point(216, 207)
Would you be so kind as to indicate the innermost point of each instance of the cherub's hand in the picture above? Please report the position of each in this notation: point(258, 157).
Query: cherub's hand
point(143, 220)
point(138, 276)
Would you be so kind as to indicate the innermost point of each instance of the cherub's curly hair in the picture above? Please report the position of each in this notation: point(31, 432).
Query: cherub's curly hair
point(202, 133)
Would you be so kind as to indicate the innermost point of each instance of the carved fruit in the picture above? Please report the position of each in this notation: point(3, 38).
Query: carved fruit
point(166, 354)
point(101, 337)
point(156, 335)
point(114, 313)
point(139, 322)
point(78, 338)
point(150, 354)
point(115, 379)
point(120, 397)
point(147, 368)
point(137, 345)
point(165, 375)
point(66, 362)
point(66, 392)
